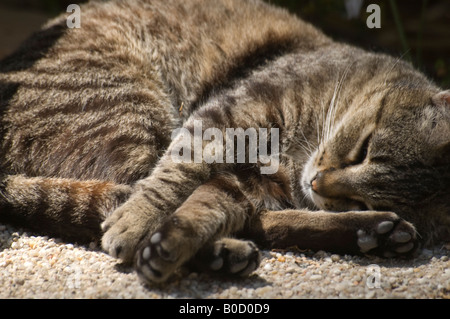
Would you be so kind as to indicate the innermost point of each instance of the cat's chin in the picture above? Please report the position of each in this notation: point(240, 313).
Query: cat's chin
point(334, 204)
point(337, 204)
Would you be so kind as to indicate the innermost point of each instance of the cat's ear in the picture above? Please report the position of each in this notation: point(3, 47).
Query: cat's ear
point(442, 98)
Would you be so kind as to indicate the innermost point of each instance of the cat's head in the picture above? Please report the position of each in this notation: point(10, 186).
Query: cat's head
point(392, 153)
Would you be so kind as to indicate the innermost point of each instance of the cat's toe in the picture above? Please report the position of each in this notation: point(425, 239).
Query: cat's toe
point(388, 238)
point(366, 241)
point(147, 267)
point(122, 234)
point(118, 242)
point(235, 257)
point(163, 249)
point(158, 258)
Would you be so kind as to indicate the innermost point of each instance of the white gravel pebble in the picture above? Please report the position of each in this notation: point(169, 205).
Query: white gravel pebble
point(41, 267)
point(267, 267)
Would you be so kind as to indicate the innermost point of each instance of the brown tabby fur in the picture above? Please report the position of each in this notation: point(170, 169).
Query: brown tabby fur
point(87, 116)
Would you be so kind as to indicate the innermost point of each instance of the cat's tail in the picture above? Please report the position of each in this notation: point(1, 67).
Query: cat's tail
point(66, 208)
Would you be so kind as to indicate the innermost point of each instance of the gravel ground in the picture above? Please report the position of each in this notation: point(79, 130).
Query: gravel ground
point(41, 267)
point(34, 266)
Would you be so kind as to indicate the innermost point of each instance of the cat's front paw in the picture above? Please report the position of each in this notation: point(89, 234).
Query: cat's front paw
point(161, 255)
point(392, 237)
point(124, 229)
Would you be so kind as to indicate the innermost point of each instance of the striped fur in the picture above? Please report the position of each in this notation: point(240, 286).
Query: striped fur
point(87, 117)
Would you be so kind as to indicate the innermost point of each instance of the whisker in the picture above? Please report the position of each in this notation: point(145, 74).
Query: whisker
point(332, 110)
point(318, 128)
point(308, 143)
point(394, 65)
point(304, 198)
point(322, 137)
point(305, 146)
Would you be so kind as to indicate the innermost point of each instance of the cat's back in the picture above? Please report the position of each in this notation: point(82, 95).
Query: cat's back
point(187, 46)
point(101, 101)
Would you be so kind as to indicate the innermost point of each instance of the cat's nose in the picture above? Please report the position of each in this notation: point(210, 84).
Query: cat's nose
point(314, 186)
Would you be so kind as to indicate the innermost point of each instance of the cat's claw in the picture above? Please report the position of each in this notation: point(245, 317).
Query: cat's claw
point(388, 239)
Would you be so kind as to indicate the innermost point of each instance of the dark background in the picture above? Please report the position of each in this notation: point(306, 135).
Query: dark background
point(420, 31)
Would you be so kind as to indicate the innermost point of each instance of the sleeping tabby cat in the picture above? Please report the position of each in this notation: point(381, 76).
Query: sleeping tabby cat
point(87, 117)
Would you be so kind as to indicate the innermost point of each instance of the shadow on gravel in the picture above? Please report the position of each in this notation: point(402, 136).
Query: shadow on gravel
point(422, 257)
point(202, 286)
point(188, 284)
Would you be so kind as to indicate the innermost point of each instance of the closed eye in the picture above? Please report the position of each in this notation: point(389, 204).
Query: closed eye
point(359, 154)
point(363, 151)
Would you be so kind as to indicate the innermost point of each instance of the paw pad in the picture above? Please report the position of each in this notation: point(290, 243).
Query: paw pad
point(388, 239)
point(235, 257)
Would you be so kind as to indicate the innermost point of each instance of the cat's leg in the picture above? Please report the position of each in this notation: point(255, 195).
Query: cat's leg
point(157, 196)
point(173, 180)
point(369, 232)
point(154, 199)
point(216, 209)
point(67, 208)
